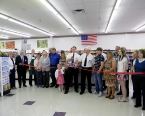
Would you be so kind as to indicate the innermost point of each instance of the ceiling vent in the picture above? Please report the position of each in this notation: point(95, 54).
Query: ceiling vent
point(79, 11)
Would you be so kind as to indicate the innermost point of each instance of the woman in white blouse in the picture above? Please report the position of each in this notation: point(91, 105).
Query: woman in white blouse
point(37, 64)
point(121, 67)
point(12, 71)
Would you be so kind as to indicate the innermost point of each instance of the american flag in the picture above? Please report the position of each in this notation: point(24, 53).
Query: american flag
point(89, 39)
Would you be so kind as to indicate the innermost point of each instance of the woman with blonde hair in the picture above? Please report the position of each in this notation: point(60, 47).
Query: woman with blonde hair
point(45, 66)
point(110, 79)
point(121, 67)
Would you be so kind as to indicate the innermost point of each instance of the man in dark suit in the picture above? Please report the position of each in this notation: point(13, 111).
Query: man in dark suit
point(21, 69)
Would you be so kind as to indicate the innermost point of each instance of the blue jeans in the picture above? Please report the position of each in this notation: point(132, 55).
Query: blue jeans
point(98, 82)
point(38, 77)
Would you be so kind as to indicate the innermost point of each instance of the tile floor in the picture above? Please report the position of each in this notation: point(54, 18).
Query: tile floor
point(50, 100)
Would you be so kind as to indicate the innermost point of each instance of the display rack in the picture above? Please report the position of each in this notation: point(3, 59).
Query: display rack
point(4, 76)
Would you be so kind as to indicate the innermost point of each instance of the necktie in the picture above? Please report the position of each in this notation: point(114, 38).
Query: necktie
point(85, 62)
point(12, 61)
point(22, 59)
point(73, 58)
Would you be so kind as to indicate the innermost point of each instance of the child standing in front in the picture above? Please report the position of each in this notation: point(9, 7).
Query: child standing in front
point(59, 77)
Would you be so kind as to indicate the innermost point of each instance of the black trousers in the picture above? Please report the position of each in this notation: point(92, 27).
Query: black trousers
point(52, 72)
point(84, 74)
point(12, 78)
point(72, 73)
point(30, 79)
point(132, 77)
point(46, 79)
point(22, 77)
point(139, 84)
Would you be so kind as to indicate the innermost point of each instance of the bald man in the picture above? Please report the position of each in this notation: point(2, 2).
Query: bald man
point(21, 69)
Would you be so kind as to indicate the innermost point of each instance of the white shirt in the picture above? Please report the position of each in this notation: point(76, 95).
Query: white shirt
point(120, 64)
point(56, 72)
point(30, 58)
point(76, 57)
point(90, 60)
point(37, 63)
point(105, 56)
point(11, 65)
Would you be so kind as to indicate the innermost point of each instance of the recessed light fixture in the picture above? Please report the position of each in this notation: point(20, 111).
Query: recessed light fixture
point(140, 28)
point(15, 33)
point(4, 37)
point(112, 14)
point(52, 9)
point(24, 24)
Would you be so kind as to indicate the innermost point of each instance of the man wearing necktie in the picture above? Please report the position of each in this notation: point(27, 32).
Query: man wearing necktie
point(21, 69)
point(72, 60)
point(87, 61)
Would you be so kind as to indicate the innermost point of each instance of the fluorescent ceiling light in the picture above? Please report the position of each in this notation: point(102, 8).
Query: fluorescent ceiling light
point(113, 14)
point(20, 23)
point(15, 33)
point(3, 16)
point(140, 28)
point(24, 24)
point(4, 37)
point(45, 2)
point(51, 8)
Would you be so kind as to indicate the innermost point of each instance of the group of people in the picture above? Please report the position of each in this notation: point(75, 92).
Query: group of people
point(100, 65)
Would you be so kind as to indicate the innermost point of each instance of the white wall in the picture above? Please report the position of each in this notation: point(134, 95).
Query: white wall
point(130, 41)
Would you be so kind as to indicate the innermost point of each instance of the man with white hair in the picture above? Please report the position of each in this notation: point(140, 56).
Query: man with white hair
point(21, 68)
point(87, 61)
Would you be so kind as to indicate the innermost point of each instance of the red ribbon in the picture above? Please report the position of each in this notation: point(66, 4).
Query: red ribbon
point(126, 73)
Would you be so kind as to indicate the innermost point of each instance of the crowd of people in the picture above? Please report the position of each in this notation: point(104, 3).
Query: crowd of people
point(103, 66)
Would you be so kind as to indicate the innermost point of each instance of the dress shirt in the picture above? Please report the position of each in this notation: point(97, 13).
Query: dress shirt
point(76, 57)
point(90, 60)
point(11, 65)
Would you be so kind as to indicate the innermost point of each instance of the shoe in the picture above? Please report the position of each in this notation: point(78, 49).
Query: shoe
point(76, 91)
point(108, 96)
point(31, 85)
point(47, 86)
point(100, 94)
point(65, 92)
point(24, 85)
point(122, 100)
point(143, 108)
point(43, 86)
point(56, 86)
point(19, 86)
point(95, 92)
point(52, 85)
point(90, 91)
point(119, 93)
point(112, 97)
point(81, 93)
point(133, 97)
point(15, 87)
point(136, 106)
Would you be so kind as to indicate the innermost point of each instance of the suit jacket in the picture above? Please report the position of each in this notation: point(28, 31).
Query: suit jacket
point(21, 68)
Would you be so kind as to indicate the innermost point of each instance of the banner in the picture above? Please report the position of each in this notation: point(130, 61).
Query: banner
point(42, 43)
point(10, 45)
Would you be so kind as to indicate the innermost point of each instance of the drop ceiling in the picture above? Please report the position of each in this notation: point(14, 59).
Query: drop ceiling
point(130, 15)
